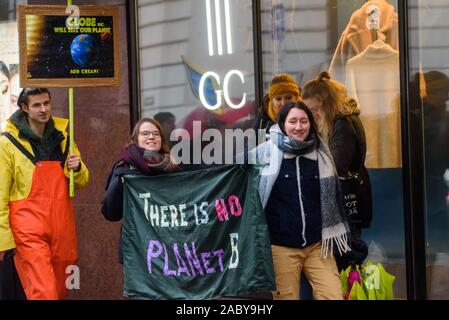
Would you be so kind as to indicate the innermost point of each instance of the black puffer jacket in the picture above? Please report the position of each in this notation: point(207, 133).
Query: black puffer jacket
point(348, 144)
point(112, 204)
point(348, 147)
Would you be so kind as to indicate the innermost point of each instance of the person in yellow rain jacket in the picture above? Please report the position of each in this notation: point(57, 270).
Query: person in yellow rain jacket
point(36, 213)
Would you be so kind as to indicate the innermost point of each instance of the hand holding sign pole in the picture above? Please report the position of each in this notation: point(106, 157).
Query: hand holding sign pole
point(72, 142)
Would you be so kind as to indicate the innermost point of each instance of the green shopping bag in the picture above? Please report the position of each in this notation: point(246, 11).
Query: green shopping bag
point(378, 283)
point(375, 283)
point(357, 292)
point(386, 282)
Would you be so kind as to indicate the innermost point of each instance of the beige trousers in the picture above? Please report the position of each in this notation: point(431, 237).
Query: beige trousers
point(321, 273)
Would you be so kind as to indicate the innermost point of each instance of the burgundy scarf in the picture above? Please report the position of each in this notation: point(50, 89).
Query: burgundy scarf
point(148, 162)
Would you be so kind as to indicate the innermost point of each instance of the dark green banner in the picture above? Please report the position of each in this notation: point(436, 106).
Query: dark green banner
point(196, 235)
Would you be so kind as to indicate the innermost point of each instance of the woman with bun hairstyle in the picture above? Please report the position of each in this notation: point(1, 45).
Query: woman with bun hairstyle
point(337, 116)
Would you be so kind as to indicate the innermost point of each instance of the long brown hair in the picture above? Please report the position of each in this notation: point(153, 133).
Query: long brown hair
point(135, 134)
point(333, 98)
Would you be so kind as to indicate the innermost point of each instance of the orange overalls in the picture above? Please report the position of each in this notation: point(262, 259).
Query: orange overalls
point(43, 225)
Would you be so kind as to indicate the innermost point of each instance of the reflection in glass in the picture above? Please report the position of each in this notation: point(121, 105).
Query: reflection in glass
point(429, 49)
point(357, 42)
point(197, 62)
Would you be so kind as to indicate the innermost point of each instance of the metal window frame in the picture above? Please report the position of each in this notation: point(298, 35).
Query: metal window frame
point(411, 124)
point(413, 168)
point(133, 61)
point(257, 50)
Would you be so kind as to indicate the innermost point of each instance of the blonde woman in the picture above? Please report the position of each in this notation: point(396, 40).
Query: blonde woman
point(337, 117)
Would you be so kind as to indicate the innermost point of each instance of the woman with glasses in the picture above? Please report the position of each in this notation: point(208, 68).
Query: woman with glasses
point(148, 154)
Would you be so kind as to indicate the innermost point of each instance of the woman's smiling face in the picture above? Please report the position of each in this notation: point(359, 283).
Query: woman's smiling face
point(149, 137)
point(297, 124)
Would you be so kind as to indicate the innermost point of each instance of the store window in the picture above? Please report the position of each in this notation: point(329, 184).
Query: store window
point(429, 69)
point(189, 47)
point(196, 63)
point(9, 60)
point(357, 42)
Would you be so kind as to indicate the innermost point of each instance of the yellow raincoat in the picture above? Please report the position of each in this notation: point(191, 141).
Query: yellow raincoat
point(16, 174)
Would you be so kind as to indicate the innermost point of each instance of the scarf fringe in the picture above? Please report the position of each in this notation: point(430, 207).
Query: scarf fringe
point(337, 234)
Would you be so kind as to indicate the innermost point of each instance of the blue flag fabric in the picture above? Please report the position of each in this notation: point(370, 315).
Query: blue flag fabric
point(194, 77)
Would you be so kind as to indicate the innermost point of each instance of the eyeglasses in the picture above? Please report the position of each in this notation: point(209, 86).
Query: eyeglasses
point(146, 134)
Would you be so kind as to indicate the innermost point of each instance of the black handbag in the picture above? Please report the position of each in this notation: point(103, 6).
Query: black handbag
point(357, 201)
point(356, 191)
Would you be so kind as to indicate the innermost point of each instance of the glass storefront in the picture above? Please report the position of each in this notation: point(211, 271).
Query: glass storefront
point(197, 63)
point(182, 40)
point(357, 41)
point(429, 72)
